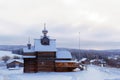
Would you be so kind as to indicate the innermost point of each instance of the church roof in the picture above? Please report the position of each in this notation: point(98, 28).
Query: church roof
point(26, 50)
point(63, 54)
point(45, 48)
point(42, 48)
point(29, 56)
point(44, 44)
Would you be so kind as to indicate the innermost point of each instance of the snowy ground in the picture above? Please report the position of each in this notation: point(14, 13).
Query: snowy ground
point(92, 73)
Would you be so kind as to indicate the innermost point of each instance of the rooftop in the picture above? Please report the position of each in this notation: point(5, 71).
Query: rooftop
point(63, 54)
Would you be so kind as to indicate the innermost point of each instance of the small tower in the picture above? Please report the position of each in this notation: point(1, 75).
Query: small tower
point(44, 31)
point(29, 45)
point(45, 40)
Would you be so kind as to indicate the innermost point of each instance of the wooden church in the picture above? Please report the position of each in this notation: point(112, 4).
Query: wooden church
point(45, 57)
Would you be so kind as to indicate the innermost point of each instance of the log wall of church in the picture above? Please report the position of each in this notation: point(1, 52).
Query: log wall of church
point(65, 66)
point(30, 65)
point(46, 61)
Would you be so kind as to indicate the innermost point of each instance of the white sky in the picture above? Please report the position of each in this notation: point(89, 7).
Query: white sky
point(98, 22)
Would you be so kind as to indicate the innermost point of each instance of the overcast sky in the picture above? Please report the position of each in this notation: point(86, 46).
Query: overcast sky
point(98, 22)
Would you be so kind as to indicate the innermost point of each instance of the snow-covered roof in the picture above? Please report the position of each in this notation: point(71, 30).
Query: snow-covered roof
point(99, 60)
point(92, 60)
point(29, 56)
point(45, 48)
point(41, 48)
point(63, 54)
point(83, 59)
point(12, 60)
point(26, 50)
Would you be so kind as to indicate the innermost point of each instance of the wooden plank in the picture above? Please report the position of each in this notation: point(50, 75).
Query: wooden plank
point(64, 69)
point(65, 64)
point(52, 54)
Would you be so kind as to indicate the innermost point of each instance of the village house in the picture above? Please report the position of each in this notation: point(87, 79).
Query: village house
point(44, 56)
point(15, 63)
point(84, 61)
point(98, 62)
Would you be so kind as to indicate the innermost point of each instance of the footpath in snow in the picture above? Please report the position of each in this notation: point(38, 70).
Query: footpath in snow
point(92, 73)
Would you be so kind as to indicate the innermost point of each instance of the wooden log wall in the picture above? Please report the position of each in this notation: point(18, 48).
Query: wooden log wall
point(46, 61)
point(65, 66)
point(30, 65)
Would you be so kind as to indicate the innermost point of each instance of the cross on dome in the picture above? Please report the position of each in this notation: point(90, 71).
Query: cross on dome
point(44, 31)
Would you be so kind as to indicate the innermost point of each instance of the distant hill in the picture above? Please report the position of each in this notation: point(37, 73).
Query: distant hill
point(74, 51)
point(11, 47)
point(17, 47)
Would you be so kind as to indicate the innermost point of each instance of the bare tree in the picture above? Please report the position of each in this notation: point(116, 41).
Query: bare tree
point(5, 58)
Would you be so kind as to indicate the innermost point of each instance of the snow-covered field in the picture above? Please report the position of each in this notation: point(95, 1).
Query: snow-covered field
point(92, 73)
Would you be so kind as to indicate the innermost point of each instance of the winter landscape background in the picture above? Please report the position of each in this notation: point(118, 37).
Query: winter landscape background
point(92, 72)
point(89, 29)
point(111, 57)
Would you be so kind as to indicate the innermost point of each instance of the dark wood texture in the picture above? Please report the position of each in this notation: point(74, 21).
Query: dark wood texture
point(30, 65)
point(65, 66)
point(45, 62)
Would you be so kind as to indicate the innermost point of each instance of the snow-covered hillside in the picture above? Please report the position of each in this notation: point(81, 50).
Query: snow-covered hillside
point(8, 53)
point(92, 73)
